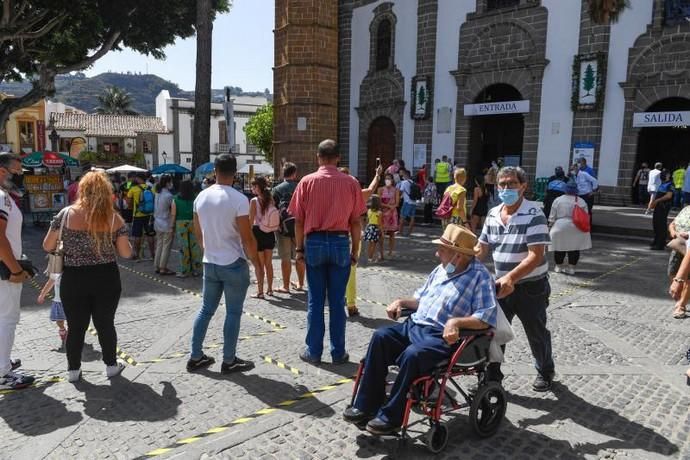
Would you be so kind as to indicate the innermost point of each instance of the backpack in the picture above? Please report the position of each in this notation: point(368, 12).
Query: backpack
point(415, 192)
point(270, 220)
point(445, 209)
point(287, 222)
point(146, 205)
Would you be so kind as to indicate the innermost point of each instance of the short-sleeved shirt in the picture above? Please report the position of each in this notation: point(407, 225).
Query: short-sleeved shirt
point(665, 187)
point(455, 191)
point(217, 208)
point(10, 212)
point(315, 196)
point(184, 209)
point(654, 180)
point(468, 293)
point(79, 247)
point(509, 243)
point(405, 187)
point(135, 194)
point(374, 217)
point(283, 191)
point(162, 216)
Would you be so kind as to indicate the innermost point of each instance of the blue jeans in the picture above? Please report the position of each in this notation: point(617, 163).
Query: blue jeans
point(233, 280)
point(328, 268)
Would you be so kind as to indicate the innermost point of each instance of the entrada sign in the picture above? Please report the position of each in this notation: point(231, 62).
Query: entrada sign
point(658, 119)
point(496, 108)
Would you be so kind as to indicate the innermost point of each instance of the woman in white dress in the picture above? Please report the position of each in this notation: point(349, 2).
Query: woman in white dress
point(566, 238)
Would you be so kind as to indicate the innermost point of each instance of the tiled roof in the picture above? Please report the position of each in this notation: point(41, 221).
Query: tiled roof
point(97, 125)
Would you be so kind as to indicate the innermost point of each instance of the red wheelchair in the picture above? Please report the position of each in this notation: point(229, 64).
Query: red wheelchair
point(430, 397)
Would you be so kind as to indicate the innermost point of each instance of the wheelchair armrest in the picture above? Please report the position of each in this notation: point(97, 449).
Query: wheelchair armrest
point(475, 332)
point(404, 312)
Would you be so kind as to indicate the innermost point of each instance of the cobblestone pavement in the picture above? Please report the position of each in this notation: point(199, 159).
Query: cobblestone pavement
point(620, 390)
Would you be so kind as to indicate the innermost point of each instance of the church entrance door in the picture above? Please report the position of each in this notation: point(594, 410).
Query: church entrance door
point(381, 144)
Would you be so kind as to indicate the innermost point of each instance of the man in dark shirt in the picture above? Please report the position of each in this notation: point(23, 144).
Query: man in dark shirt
point(282, 194)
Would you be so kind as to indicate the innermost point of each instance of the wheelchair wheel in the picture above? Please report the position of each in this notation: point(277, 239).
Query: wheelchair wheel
point(437, 437)
point(488, 409)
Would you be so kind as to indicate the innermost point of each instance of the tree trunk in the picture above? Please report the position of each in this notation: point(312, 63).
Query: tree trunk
point(201, 151)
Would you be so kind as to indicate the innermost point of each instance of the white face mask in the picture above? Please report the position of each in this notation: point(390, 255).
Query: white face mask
point(389, 182)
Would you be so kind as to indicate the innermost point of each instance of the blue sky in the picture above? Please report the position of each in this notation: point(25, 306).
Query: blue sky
point(242, 52)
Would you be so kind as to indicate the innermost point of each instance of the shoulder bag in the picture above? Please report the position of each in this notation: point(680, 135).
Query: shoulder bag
point(581, 218)
point(56, 257)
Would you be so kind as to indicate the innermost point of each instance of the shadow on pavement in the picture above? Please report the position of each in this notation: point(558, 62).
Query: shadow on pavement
point(33, 413)
point(626, 433)
point(124, 400)
point(371, 323)
point(272, 392)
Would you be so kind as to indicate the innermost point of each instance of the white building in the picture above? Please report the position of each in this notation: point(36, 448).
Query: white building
point(177, 115)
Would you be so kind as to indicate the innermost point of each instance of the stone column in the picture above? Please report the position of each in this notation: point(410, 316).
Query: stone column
point(427, 14)
point(305, 79)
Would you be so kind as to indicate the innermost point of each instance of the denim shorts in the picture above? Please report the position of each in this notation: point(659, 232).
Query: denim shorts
point(408, 210)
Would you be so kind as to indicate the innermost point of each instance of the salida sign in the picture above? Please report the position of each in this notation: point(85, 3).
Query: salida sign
point(658, 119)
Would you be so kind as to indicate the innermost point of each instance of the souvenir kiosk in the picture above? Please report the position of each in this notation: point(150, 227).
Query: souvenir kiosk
point(44, 184)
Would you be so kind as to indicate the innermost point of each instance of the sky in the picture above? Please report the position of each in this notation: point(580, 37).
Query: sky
point(242, 52)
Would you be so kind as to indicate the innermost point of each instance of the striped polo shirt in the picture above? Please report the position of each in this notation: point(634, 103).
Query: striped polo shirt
point(509, 243)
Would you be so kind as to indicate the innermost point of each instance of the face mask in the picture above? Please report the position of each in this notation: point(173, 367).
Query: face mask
point(389, 182)
point(509, 196)
point(450, 267)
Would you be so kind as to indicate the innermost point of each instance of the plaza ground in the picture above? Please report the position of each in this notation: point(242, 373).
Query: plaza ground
point(620, 358)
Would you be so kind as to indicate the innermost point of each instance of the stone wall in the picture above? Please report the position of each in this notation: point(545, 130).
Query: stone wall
point(305, 79)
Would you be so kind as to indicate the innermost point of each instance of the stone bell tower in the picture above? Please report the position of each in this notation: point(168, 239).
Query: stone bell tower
point(305, 80)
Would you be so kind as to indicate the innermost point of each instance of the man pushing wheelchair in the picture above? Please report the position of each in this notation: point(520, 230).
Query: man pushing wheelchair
point(459, 295)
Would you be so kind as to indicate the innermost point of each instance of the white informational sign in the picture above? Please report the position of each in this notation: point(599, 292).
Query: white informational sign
point(419, 155)
point(496, 108)
point(584, 150)
point(659, 119)
point(589, 73)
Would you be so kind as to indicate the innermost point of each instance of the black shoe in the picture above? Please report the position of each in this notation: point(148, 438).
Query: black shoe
point(381, 428)
point(237, 365)
point(344, 359)
point(304, 356)
point(541, 384)
point(198, 364)
point(356, 416)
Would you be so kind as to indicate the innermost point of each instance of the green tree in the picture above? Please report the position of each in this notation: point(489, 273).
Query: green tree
point(588, 80)
point(115, 101)
point(259, 130)
point(40, 39)
point(421, 97)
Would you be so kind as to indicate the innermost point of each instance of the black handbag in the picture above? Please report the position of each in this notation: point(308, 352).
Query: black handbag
point(26, 265)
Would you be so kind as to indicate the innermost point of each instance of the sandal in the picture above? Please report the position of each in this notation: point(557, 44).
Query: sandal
point(296, 286)
point(352, 310)
point(282, 290)
point(679, 312)
point(269, 292)
point(258, 295)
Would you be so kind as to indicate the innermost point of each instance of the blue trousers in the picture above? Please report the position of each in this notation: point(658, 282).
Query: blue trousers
point(416, 349)
point(328, 268)
point(233, 281)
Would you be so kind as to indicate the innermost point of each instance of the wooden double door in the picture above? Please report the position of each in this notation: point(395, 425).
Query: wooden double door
point(381, 144)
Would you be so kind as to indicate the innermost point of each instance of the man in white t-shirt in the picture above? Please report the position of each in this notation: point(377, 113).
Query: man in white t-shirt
point(409, 206)
point(10, 289)
point(221, 225)
point(653, 184)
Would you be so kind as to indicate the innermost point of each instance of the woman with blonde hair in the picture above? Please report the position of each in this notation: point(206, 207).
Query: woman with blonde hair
point(92, 234)
point(458, 196)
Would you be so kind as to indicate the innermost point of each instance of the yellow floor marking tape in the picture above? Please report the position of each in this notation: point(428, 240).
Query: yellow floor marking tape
point(195, 293)
point(37, 383)
point(242, 420)
point(281, 365)
point(574, 287)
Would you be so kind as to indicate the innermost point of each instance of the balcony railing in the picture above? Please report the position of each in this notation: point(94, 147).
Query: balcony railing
point(225, 148)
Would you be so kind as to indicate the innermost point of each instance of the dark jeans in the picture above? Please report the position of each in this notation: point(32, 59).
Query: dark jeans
point(529, 302)
point(677, 198)
point(416, 349)
point(441, 188)
point(428, 214)
point(90, 292)
point(660, 223)
point(573, 257)
point(644, 195)
point(327, 256)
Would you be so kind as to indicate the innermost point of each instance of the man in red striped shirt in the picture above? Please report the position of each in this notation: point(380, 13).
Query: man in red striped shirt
point(327, 205)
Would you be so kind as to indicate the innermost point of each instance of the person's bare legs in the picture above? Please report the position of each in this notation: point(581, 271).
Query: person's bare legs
point(259, 271)
point(391, 243)
point(380, 245)
point(411, 226)
point(268, 268)
point(136, 242)
point(681, 305)
point(152, 246)
point(286, 272)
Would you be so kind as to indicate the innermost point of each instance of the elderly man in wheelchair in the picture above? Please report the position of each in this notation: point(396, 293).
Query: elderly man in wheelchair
point(458, 296)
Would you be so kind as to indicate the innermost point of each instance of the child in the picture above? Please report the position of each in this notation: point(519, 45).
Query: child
point(57, 313)
point(372, 233)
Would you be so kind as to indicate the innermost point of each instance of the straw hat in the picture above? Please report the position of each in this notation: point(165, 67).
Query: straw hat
point(458, 239)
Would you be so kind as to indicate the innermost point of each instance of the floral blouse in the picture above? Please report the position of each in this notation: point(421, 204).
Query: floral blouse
point(80, 248)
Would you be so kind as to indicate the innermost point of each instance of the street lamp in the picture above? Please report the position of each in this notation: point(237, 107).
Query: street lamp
point(165, 157)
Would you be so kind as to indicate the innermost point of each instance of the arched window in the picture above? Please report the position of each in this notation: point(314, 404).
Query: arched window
point(383, 45)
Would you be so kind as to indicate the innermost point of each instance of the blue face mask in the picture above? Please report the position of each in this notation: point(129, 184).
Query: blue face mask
point(509, 196)
point(450, 267)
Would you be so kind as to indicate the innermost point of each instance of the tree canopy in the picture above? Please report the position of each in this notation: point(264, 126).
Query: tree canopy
point(115, 101)
point(40, 39)
point(259, 130)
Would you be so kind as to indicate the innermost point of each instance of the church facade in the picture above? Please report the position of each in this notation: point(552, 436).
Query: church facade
point(536, 82)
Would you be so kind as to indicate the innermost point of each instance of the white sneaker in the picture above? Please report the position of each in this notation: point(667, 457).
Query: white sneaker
point(113, 371)
point(558, 268)
point(74, 376)
point(570, 270)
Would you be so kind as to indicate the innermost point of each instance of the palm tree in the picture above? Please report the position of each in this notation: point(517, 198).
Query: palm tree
point(606, 11)
point(115, 101)
point(202, 93)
